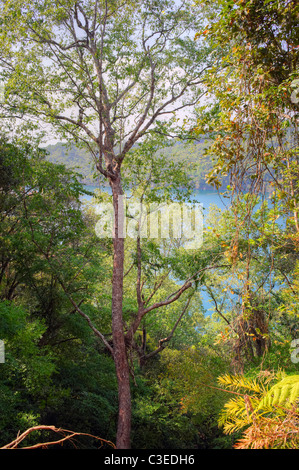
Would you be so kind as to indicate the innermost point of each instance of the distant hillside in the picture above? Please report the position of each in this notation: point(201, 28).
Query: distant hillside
point(81, 161)
point(192, 153)
point(75, 158)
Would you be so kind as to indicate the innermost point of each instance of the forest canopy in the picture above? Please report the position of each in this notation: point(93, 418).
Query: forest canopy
point(142, 342)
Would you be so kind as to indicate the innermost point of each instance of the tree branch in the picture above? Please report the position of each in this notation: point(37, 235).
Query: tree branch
point(86, 317)
point(163, 341)
point(75, 305)
point(68, 435)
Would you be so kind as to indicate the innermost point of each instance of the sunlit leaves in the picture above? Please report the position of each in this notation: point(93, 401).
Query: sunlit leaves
point(266, 414)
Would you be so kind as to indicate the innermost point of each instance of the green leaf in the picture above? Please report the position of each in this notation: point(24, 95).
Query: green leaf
point(285, 392)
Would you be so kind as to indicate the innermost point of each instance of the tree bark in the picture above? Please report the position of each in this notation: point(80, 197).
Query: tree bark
point(119, 347)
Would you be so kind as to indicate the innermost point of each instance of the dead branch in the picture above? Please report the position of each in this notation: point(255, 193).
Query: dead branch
point(67, 435)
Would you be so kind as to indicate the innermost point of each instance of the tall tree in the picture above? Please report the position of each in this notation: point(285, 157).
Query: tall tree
point(254, 123)
point(105, 74)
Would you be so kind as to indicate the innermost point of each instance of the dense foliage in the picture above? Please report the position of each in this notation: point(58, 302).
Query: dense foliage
point(211, 332)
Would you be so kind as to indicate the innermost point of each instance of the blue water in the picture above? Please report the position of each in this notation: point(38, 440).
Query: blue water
point(207, 199)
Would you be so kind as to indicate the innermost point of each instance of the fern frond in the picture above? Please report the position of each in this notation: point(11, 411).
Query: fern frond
point(276, 433)
point(268, 425)
point(285, 392)
point(233, 408)
point(233, 426)
point(235, 415)
point(238, 382)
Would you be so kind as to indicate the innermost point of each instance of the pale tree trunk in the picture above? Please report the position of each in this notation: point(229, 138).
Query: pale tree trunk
point(119, 346)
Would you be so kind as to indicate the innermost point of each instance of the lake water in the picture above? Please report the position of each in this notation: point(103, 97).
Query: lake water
point(207, 199)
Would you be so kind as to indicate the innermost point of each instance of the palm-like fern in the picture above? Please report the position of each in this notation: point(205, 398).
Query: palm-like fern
point(240, 382)
point(284, 393)
point(237, 412)
point(269, 413)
